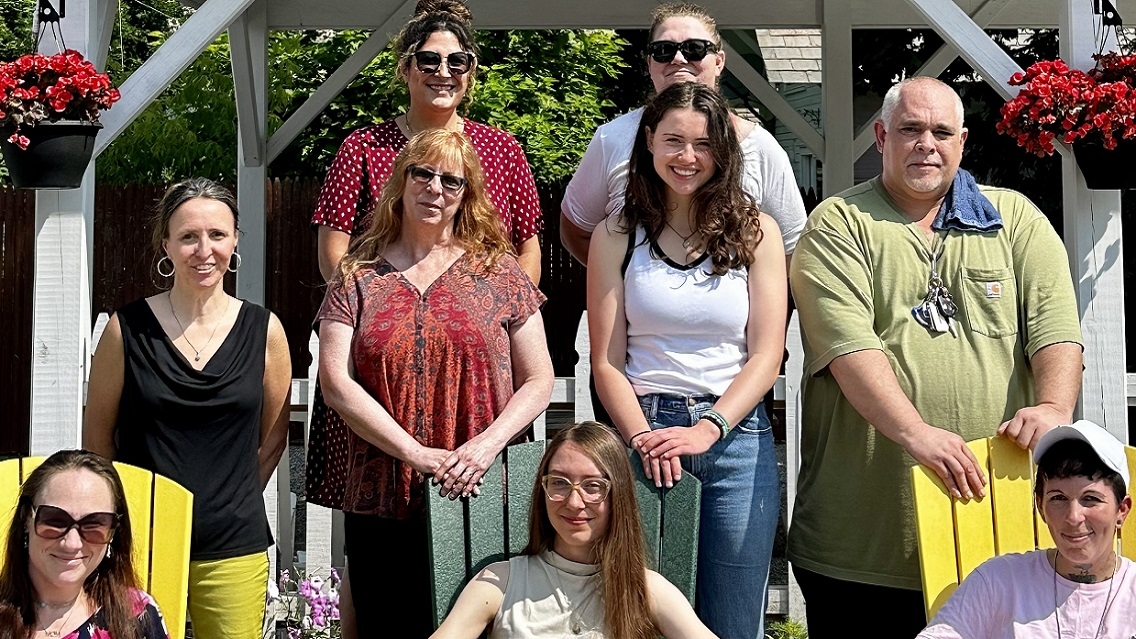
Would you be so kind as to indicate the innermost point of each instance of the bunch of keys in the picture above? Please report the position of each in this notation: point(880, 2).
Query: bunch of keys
point(937, 310)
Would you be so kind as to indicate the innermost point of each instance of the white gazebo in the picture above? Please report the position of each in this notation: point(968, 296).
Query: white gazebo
point(64, 220)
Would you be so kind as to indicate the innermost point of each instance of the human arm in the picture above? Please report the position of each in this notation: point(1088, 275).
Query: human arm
point(528, 256)
point(607, 334)
point(104, 391)
point(532, 380)
point(1057, 371)
point(587, 198)
point(332, 246)
point(871, 387)
point(275, 411)
point(477, 604)
point(765, 344)
point(574, 239)
point(671, 612)
point(362, 413)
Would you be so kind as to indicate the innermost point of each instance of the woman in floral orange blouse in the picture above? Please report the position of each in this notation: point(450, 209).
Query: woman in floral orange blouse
point(432, 349)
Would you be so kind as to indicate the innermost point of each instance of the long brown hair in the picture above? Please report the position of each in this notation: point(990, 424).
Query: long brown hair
point(621, 554)
point(108, 586)
point(477, 226)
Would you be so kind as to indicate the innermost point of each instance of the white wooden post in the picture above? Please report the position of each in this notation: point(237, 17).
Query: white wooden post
point(794, 370)
point(836, 100)
point(61, 323)
point(583, 405)
point(1096, 253)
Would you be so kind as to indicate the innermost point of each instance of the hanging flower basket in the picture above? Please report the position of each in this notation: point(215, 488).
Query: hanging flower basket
point(49, 113)
point(1094, 111)
point(56, 156)
point(1107, 169)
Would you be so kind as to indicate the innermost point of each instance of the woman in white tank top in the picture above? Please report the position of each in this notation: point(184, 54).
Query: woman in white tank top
point(583, 573)
point(686, 311)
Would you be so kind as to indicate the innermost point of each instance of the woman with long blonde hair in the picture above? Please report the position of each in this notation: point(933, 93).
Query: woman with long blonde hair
point(583, 572)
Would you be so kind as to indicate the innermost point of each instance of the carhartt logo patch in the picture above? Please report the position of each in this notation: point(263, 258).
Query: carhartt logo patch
point(993, 290)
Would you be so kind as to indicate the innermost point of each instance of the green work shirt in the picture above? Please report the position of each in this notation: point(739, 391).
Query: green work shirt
point(859, 268)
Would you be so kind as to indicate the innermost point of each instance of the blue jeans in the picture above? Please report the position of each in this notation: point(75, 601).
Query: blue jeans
point(741, 500)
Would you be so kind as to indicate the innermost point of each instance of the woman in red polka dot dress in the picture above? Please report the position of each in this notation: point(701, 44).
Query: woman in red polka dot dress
point(438, 63)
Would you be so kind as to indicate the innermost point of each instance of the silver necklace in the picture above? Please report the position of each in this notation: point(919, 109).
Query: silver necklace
point(686, 243)
point(47, 631)
point(197, 351)
point(575, 615)
point(1107, 598)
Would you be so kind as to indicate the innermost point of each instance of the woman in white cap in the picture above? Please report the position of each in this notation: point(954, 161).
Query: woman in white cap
point(1083, 587)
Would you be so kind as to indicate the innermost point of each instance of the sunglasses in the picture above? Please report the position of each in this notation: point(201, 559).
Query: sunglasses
point(458, 62)
point(593, 490)
point(52, 522)
point(663, 51)
point(450, 183)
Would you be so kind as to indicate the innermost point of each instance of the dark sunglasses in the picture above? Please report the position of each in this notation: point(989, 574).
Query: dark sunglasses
point(663, 51)
point(428, 62)
point(450, 183)
point(52, 522)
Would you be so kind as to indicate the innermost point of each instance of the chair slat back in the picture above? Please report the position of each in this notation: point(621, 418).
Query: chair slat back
point(670, 526)
point(161, 515)
point(956, 536)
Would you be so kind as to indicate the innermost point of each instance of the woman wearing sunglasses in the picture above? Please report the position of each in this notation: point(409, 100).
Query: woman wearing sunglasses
point(686, 314)
point(67, 566)
point(583, 572)
point(432, 349)
point(684, 47)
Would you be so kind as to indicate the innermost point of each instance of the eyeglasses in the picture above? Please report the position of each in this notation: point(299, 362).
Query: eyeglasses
point(450, 183)
point(458, 62)
point(592, 489)
point(663, 51)
point(52, 522)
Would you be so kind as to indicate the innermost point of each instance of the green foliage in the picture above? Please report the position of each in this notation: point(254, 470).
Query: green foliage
point(786, 629)
point(16, 37)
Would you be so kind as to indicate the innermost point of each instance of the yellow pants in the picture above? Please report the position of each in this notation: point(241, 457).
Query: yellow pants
point(226, 597)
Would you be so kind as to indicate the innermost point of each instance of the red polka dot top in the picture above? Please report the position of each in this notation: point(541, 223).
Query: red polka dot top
point(366, 158)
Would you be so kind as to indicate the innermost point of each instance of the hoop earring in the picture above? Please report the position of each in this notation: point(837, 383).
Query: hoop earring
point(237, 256)
point(158, 266)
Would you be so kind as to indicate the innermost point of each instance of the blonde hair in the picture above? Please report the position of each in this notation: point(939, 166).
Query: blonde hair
point(477, 225)
point(620, 551)
point(664, 12)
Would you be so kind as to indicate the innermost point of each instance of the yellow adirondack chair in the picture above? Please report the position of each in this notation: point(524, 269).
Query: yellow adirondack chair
point(161, 514)
point(956, 536)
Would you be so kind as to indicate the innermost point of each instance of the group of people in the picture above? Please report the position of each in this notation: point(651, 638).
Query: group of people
point(932, 310)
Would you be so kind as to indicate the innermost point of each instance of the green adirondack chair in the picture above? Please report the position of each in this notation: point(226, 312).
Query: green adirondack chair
point(468, 534)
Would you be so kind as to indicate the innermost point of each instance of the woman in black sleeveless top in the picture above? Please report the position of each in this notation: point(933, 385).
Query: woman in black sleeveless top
point(193, 384)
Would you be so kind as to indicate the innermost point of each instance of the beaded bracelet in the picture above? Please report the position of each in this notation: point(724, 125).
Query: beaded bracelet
point(716, 418)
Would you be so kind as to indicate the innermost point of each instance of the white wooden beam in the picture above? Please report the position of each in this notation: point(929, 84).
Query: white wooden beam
point(936, 64)
point(252, 172)
point(104, 15)
point(337, 81)
point(244, 86)
point(987, 58)
point(1093, 236)
point(174, 56)
point(773, 100)
point(836, 96)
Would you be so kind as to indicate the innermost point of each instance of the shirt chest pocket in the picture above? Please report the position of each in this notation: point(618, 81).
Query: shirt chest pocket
point(990, 301)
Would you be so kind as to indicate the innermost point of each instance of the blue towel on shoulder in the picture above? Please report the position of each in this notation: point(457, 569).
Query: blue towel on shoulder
point(966, 209)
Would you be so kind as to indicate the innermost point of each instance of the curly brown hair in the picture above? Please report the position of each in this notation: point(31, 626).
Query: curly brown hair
point(432, 16)
point(724, 213)
point(108, 586)
point(477, 225)
point(620, 553)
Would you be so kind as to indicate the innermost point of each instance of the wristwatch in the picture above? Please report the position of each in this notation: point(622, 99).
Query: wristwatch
point(716, 418)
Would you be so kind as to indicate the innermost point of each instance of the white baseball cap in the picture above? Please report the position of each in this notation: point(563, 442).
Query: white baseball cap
point(1108, 448)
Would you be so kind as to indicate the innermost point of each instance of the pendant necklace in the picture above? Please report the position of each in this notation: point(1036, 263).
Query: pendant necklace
point(63, 624)
point(686, 243)
point(197, 351)
point(575, 615)
point(1107, 598)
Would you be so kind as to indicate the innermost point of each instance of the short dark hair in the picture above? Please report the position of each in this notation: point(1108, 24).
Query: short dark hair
point(1076, 458)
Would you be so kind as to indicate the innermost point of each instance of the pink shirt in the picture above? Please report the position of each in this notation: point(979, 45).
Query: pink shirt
point(366, 158)
point(1016, 597)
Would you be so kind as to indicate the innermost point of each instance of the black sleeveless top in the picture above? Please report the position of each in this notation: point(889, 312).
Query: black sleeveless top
point(199, 428)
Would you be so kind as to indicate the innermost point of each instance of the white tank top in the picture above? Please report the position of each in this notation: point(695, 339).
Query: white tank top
point(686, 327)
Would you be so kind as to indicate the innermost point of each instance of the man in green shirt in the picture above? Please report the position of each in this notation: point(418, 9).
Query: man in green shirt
point(933, 312)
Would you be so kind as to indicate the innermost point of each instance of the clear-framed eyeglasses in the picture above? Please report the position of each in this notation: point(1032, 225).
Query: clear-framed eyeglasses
point(592, 490)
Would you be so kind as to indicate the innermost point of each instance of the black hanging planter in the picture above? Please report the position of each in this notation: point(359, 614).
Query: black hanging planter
point(1106, 169)
point(57, 155)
